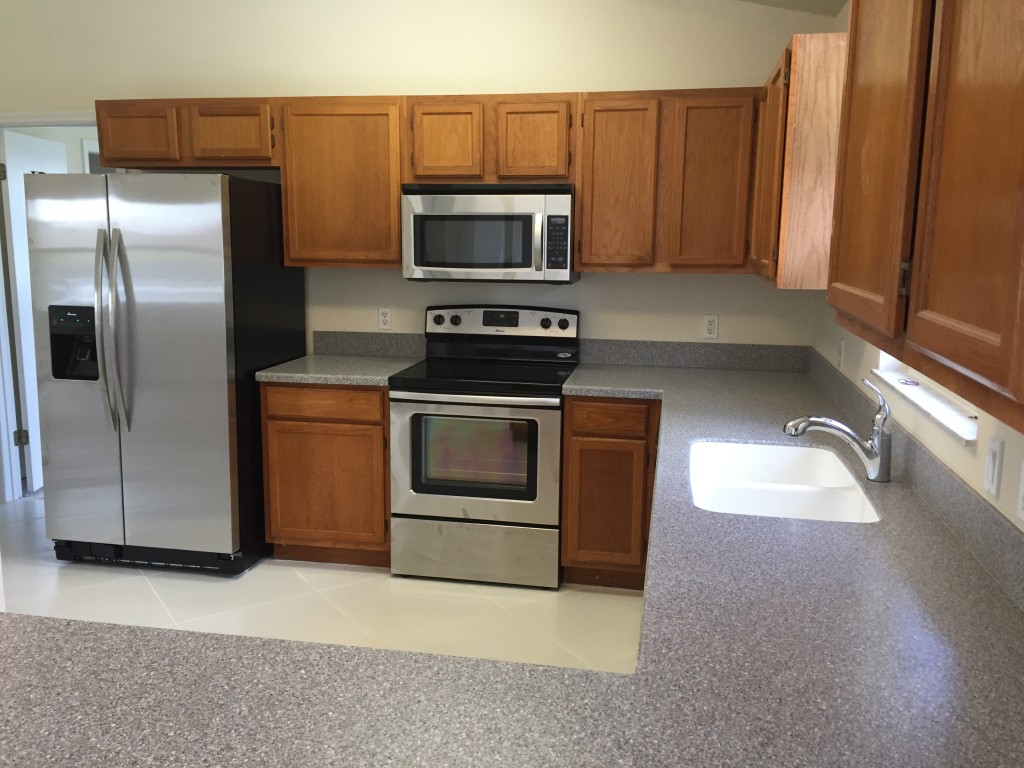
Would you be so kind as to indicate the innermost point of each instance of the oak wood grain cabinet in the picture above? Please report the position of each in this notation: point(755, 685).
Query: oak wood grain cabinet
point(162, 133)
point(488, 138)
point(928, 244)
point(665, 180)
point(609, 453)
point(340, 181)
point(798, 143)
point(326, 473)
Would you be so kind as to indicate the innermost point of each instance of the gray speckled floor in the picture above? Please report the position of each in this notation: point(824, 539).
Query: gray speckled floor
point(766, 642)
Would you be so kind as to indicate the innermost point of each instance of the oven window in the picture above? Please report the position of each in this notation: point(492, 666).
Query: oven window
point(467, 456)
point(485, 241)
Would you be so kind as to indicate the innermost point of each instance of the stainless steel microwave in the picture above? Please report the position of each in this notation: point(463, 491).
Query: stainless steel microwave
point(487, 232)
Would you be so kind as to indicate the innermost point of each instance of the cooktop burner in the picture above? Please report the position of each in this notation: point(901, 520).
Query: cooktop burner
point(494, 350)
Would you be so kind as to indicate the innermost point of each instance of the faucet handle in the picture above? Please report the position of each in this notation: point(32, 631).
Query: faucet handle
point(882, 415)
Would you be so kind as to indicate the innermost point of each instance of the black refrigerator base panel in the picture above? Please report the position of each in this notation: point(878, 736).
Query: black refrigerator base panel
point(117, 554)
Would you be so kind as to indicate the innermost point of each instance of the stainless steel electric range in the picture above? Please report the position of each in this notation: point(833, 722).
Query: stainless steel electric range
point(476, 439)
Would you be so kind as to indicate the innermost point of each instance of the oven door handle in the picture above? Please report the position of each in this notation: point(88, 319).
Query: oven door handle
point(433, 397)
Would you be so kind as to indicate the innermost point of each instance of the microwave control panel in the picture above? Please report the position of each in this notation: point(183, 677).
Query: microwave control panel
point(558, 242)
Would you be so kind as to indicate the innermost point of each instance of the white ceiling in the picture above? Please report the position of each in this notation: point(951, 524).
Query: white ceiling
point(822, 7)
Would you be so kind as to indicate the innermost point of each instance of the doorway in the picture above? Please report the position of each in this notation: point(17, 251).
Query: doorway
point(25, 150)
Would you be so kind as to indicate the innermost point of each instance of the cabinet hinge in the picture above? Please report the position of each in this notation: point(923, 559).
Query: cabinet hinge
point(385, 443)
point(904, 280)
point(21, 437)
point(570, 157)
point(273, 141)
point(746, 247)
point(570, 119)
point(3, 172)
point(775, 252)
point(410, 122)
point(581, 119)
point(785, 76)
point(271, 122)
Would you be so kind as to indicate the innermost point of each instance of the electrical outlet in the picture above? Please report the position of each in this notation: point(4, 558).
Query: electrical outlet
point(842, 354)
point(1020, 494)
point(384, 318)
point(709, 327)
point(993, 466)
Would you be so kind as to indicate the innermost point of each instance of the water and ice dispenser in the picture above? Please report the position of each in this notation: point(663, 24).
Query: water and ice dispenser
point(73, 342)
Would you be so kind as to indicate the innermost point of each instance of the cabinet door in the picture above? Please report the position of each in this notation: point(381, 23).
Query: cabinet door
point(340, 182)
point(879, 146)
point(705, 187)
point(533, 138)
point(137, 131)
point(619, 182)
point(325, 484)
point(230, 131)
point(968, 299)
point(448, 139)
point(771, 141)
point(603, 518)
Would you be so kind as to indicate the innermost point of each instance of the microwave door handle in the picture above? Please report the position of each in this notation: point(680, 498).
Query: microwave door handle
point(102, 248)
point(539, 257)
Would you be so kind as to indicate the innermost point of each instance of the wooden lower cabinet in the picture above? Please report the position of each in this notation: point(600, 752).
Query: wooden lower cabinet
point(326, 473)
point(609, 452)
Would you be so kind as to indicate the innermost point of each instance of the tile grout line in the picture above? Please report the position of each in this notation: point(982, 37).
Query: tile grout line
point(160, 600)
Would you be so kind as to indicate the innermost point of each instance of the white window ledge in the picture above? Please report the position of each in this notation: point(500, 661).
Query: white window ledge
point(944, 411)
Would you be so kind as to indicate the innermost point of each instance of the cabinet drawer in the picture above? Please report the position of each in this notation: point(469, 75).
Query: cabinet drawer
point(324, 403)
point(613, 419)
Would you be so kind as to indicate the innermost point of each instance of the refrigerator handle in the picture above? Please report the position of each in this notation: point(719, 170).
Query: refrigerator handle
point(102, 245)
point(117, 252)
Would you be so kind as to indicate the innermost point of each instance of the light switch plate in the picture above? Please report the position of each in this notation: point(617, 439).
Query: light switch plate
point(993, 466)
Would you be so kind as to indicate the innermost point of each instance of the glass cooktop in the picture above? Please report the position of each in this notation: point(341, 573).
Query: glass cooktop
point(483, 377)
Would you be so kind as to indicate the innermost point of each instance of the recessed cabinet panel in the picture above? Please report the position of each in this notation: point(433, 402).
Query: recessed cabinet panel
point(968, 302)
point(448, 139)
point(880, 141)
point(619, 182)
point(771, 141)
point(533, 139)
point(341, 186)
point(137, 132)
point(230, 131)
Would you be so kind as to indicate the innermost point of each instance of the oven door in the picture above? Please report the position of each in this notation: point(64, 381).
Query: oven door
point(472, 237)
point(476, 457)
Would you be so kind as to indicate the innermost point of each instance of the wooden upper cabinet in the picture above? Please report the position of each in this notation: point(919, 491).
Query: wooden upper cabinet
point(488, 138)
point(967, 306)
point(448, 139)
point(230, 131)
point(879, 145)
point(130, 131)
point(340, 181)
point(798, 144)
point(771, 146)
point(704, 186)
point(532, 138)
point(618, 181)
point(186, 133)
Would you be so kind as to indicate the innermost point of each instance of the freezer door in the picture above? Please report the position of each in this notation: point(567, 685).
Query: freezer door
point(171, 322)
point(67, 231)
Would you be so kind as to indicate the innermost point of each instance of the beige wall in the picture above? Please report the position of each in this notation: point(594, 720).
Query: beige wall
point(66, 53)
point(968, 461)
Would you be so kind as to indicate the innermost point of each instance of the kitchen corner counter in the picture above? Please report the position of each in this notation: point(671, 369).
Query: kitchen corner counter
point(765, 642)
point(345, 370)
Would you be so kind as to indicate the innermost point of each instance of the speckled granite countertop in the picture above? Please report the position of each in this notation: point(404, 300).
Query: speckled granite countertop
point(766, 642)
point(337, 370)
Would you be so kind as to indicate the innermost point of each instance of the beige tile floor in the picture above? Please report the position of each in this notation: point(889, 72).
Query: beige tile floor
point(581, 627)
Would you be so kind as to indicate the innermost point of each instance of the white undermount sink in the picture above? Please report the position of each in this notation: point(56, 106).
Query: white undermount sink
point(776, 481)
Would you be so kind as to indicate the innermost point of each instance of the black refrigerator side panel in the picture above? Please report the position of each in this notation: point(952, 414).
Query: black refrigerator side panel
point(269, 303)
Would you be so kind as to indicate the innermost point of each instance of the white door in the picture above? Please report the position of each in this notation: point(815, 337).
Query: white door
point(25, 154)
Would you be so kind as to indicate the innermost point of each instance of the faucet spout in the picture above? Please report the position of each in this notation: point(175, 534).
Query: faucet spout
point(875, 453)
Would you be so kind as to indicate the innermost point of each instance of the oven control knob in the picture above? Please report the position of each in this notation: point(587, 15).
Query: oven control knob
point(545, 323)
point(563, 324)
point(438, 319)
point(456, 320)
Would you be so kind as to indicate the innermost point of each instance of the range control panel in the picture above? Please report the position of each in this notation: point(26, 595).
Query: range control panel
point(502, 320)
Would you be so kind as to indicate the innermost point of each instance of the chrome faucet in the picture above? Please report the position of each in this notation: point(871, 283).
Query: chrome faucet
point(875, 453)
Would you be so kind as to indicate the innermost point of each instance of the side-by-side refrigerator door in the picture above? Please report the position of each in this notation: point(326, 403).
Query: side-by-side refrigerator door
point(68, 256)
point(171, 324)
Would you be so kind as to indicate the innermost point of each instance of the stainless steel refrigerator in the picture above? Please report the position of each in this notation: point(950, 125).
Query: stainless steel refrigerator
point(156, 298)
